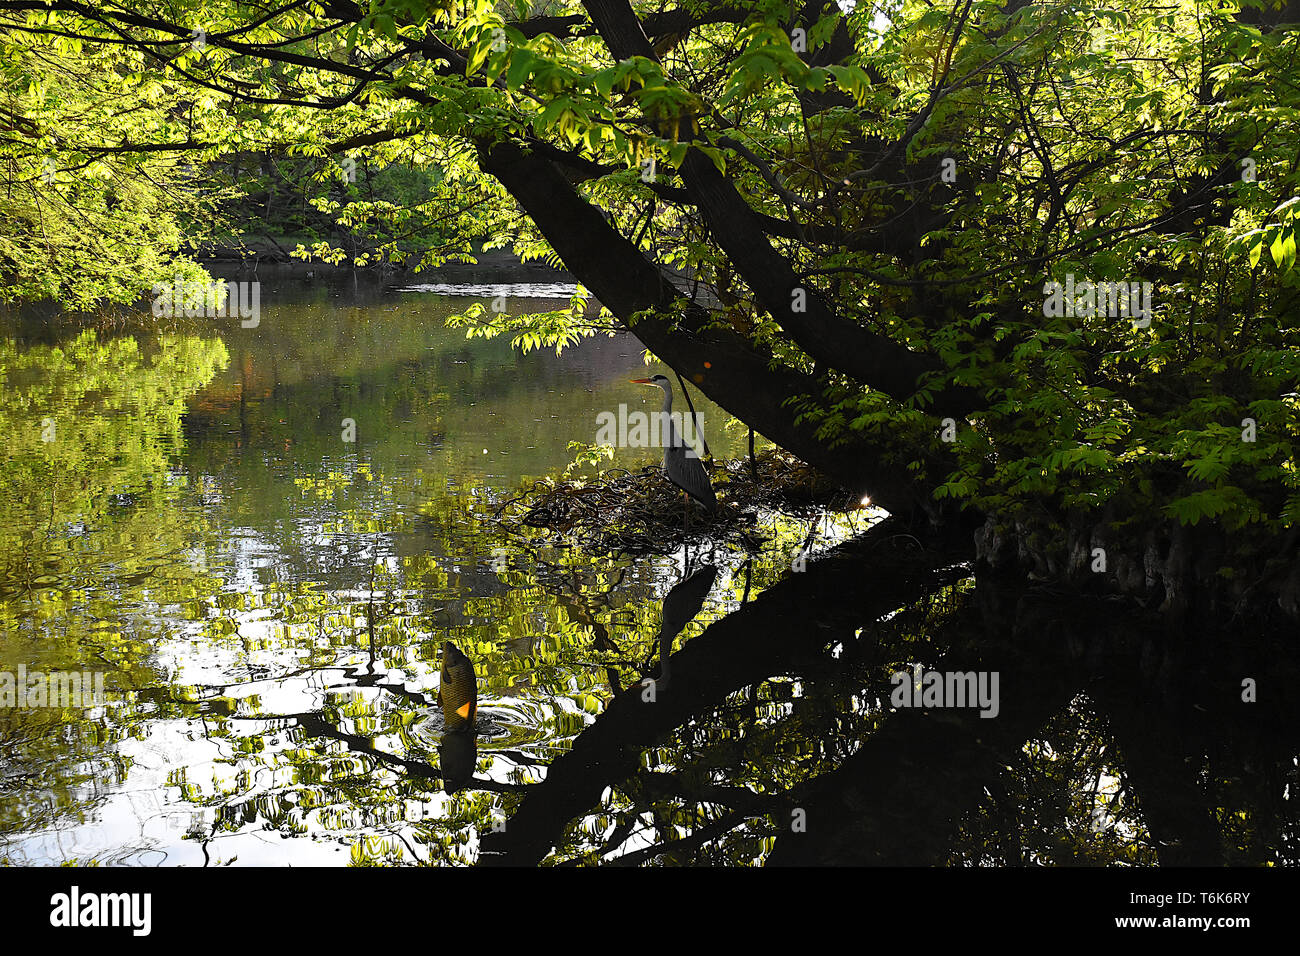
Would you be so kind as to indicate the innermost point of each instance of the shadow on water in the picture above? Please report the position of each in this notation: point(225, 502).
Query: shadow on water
point(271, 606)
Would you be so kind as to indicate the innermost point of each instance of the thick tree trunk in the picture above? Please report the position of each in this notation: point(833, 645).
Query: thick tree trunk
point(812, 324)
point(720, 363)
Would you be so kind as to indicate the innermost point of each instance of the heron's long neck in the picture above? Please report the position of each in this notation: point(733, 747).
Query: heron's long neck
point(670, 437)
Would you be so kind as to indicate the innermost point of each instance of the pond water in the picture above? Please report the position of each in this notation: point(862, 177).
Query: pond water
point(263, 536)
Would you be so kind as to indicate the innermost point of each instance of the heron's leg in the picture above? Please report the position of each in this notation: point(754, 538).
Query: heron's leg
point(686, 509)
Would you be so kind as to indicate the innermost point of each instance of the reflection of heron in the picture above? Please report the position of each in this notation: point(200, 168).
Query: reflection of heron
point(681, 604)
point(681, 465)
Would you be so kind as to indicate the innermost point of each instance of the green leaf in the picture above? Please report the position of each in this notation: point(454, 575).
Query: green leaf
point(521, 66)
point(1277, 250)
point(478, 55)
point(714, 154)
point(603, 81)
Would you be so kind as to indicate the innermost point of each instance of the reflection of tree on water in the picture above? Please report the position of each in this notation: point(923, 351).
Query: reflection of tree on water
point(457, 698)
point(92, 516)
point(1122, 745)
point(910, 787)
point(1107, 749)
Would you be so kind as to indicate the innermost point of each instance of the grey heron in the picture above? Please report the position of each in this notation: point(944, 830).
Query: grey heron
point(681, 465)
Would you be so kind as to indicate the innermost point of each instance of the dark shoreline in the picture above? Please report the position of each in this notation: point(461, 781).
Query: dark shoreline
point(497, 264)
point(51, 321)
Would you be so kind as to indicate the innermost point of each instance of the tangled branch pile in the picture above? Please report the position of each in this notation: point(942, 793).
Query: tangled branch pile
point(641, 512)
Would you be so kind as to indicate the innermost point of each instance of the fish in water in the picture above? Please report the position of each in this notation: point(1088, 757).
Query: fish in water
point(457, 690)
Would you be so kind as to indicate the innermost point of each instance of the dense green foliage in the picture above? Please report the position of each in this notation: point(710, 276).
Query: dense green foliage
point(91, 208)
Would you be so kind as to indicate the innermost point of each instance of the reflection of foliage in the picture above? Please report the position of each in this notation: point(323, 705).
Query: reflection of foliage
point(290, 638)
point(1066, 801)
point(719, 790)
point(92, 514)
point(356, 761)
point(108, 405)
point(91, 430)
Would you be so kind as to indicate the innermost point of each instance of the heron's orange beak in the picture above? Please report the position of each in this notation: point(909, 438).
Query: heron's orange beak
point(640, 381)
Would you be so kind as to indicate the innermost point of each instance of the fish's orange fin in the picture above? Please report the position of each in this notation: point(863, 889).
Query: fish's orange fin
point(464, 710)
